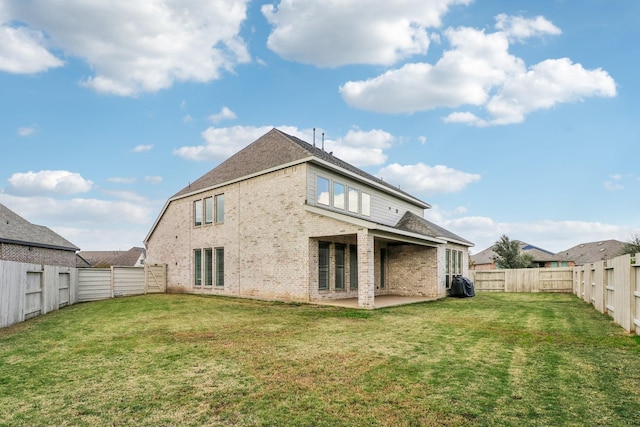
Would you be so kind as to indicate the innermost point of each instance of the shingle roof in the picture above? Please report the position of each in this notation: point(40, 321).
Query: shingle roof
point(587, 253)
point(273, 149)
point(414, 223)
point(116, 258)
point(15, 229)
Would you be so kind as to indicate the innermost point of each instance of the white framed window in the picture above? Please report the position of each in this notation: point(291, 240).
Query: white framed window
point(220, 267)
point(338, 195)
point(366, 204)
point(322, 191)
point(208, 267)
point(197, 267)
point(197, 213)
point(219, 204)
point(208, 210)
point(354, 200)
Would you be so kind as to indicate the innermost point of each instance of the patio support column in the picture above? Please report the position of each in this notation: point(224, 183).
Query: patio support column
point(366, 285)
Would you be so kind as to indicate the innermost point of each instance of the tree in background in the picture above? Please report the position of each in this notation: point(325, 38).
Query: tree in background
point(632, 246)
point(509, 255)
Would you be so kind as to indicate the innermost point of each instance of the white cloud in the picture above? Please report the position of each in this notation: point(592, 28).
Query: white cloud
point(91, 224)
point(427, 180)
point(187, 119)
point(361, 148)
point(479, 71)
point(224, 114)
point(121, 180)
point(353, 32)
point(519, 28)
point(22, 51)
point(545, 85)
point(133, 47)
point(26, 130)
point(221, 143)
point(553, 236)
point(153, 179)
point(49, 182)
point(142, 148)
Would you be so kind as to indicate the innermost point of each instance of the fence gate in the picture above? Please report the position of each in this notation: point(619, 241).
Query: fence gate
point(64, 289)
point(33, 295)
point(155, 278)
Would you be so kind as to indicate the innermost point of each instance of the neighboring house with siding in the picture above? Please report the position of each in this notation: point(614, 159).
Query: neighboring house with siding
point(22, 241)
point(285, 220)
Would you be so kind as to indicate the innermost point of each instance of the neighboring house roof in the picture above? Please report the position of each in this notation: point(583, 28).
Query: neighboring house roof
point(539, 254)
point(275, 150)
point(587, 253)
point(132, 257)
point(17, 230)
point(416, 224)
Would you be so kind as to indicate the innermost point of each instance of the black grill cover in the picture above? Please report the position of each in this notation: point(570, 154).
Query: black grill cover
point(462, 287)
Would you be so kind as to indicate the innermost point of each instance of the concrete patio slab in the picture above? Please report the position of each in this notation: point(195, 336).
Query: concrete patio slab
point(381, 301)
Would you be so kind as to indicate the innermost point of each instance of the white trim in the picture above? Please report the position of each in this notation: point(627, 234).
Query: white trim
point(376, 229)
point(370, 182)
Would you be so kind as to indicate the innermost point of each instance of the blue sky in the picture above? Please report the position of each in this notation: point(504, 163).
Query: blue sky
point(508, 117)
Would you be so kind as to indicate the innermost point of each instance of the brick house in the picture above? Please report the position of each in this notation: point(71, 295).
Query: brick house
point(22, 241)
point(285, 220)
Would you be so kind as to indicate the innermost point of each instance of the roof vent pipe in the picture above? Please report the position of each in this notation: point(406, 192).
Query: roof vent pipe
point(314, 137)
point(322, 141)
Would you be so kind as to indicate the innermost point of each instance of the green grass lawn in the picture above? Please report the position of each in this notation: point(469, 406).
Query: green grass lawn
point(496, 359)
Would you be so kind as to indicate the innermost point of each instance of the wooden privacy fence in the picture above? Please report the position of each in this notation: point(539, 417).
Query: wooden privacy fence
point(101, 283)
point(524, 280)
point(613, 288)
point(28, 290)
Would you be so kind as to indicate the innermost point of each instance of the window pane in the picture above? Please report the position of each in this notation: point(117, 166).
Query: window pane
point(353, 200)
point(459, 262)
point(339, 254)
point(322, 191)
point(219, 266)
point(197, 212)
point(208, 210)
point(353, 267)
point(208, 267)
point(220, 208)
point(447, 261)
point(338, 195)
point(323, 266)
point(197, 267)
point(366, 204)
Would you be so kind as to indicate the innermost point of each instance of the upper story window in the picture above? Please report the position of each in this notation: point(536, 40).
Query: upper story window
point(354, 200)
point(322, 191)
point(197, 213)
point(366, 204)
point(208, 210)
point(220, 208)
point(338, 195)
